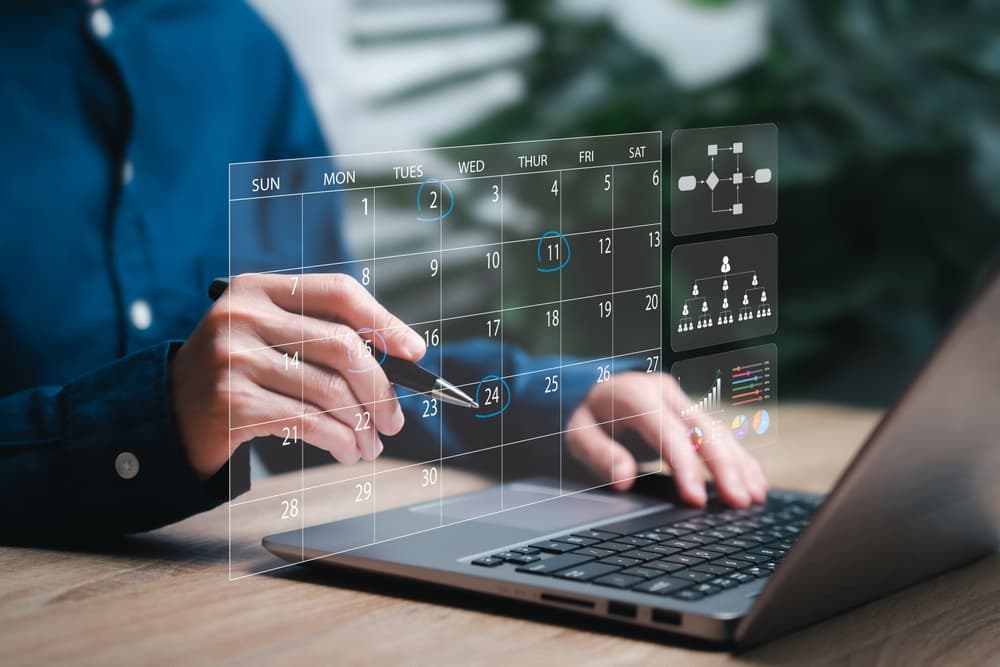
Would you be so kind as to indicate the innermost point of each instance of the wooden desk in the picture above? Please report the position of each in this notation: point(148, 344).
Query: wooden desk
point(165, 598)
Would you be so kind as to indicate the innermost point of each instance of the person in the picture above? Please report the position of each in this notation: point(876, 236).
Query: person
point(118, 121)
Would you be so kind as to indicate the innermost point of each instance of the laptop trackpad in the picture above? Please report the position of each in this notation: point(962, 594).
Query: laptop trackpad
point(535, 507)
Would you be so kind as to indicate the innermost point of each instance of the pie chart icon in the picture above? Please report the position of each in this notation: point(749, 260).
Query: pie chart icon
point(761, 422)
point(740, 426)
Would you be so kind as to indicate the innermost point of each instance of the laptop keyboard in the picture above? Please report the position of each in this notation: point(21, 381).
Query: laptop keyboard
point(687, 559)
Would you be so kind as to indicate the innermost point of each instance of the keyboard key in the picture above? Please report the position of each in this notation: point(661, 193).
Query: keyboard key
point(554, 547)
point(750, 557)
point(665, 566)
point(758, 571)
point(614, 546)
point(780, 544)
point(741, 577)
point(722, 548)
point(621, 561)
point(742, 542)
point(723, 582)
point(701, 553)
point(707, 589)
point(684, 560)
point(662, 550)
point(717, 534)
point(731, 563)
point(634, 541)
point(488, 561)
point(688, 595)
point(595, 552)
point(554, 564)
point(618, 581)
point(644, 572)
point(586, 572)
point(711, 568)
point(691, 575)
point(699, 539)
point(577, 540)
point(769, 552)
point(663, 586)
point(527, 551)
point(521, 559)
point(600, 535)
point(640, 554)
point(651, 535)
point(672, 530)
point(679, 544)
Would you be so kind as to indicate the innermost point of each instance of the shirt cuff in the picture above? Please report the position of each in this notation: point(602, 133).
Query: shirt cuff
point(119, 424)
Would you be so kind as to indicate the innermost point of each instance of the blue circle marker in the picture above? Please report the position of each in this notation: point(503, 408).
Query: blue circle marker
point(506, 387)
point(350, 355)
point(565, 242)
point(451, 200)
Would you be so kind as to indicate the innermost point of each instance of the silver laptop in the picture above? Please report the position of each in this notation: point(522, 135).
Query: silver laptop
point(921, 496)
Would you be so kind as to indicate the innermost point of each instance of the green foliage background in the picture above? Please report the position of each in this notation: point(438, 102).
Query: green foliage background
point(889, 165)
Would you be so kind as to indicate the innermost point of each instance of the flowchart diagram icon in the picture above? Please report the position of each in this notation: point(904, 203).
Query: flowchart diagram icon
point(723, 178)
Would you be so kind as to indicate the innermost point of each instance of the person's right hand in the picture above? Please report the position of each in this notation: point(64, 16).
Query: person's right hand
point(339, 390)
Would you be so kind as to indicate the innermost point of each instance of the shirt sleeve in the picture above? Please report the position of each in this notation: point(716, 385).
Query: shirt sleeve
point(530, 413)
point(101, 456)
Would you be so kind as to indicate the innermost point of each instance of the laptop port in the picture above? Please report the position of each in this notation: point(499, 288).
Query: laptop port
point(549, 597)
point(665, 616)
point(622, 609)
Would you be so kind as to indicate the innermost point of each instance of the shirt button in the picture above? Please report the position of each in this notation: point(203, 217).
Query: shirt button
point(126, 465)
point(100, 23)
point(127, 172)
point(141, 314)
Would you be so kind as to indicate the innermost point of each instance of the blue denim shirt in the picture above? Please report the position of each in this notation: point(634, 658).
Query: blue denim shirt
point(117, 121)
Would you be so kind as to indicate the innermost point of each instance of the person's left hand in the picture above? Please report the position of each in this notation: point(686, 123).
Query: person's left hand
point(637, 402)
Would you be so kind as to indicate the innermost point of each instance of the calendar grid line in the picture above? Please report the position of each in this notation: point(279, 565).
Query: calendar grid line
point(425, 530)
point(446, 319)
point(613, 309)
point(448, 457)
point(475, 246)
point(500, 333)
point(560, 376)
point(465, 385)
point(447, 180)
point(458, 146)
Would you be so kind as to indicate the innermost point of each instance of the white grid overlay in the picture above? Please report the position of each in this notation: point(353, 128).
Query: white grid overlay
point(440, 252)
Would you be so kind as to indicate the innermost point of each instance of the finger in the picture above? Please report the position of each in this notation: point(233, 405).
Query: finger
point(679, 453)
point(325, 391)
point(267, 413)
point(338, 296)
point(337, 357)
point(590, 444)
point(323, 430)
point(754, 476)
point(719, 453)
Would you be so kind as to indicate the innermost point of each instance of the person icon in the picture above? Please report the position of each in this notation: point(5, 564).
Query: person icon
point(694, 291)
point(754, 281)
point(725, 264)
point(725, 302)
point(746, 300)
point(763, 296)
point(725, 284)
point(704, 306)
point(684, 311)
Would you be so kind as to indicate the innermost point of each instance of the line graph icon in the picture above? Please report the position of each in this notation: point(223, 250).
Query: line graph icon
point(723, 178)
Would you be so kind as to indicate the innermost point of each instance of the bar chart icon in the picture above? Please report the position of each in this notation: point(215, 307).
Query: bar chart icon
point(710, 402)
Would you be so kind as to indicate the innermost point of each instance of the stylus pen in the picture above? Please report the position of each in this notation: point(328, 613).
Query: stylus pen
point(399, 371)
